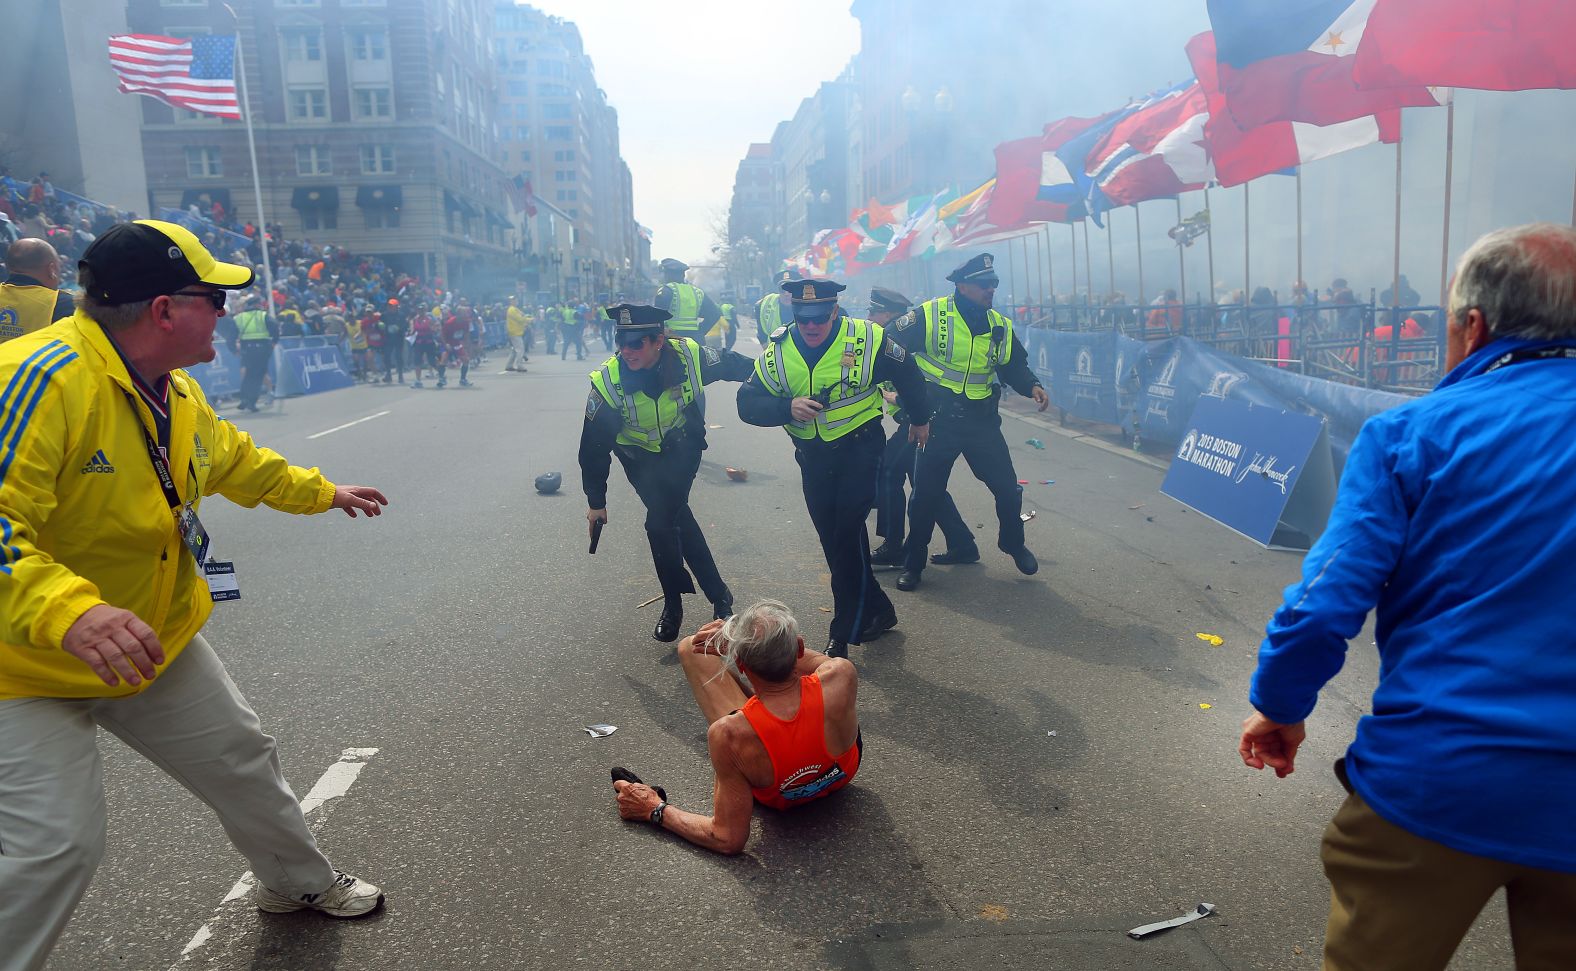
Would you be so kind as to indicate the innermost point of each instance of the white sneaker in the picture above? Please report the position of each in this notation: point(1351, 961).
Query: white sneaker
point(345, 897)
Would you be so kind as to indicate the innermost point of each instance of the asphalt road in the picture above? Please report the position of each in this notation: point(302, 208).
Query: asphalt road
point(1049, 760)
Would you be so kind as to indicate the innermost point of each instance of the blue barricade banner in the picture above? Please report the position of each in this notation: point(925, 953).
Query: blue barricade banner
point(310, 368)
point(1085, 371)
point(1258, 470)
point(220, 377)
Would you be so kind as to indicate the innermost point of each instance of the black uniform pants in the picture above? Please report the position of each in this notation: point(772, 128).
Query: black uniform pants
point(978, 439)
point(840, 490)
point(255, 356)
point(897, 466)
point(574, 337)
point(663, 480)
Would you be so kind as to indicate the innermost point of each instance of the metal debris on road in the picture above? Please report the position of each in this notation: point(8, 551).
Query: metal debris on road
point(1035, 442)
point(600, 731)
point(737, 475)
point(1206, 706)
point(648, 603)
point(713, 426)
point(1047, 482)
point(1050, 734)
point(1029, 515)
point(1202, 910)
point(1139, 506)
point(1214, 639)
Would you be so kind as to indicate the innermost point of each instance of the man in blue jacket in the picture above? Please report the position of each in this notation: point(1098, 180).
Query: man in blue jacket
point(1455, 520)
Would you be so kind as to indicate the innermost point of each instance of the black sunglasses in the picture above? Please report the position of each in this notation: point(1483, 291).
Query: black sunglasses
point(633, 342)
point(215, 297)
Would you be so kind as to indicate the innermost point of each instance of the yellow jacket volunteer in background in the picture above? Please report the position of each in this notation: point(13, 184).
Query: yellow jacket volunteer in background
point(83, 520)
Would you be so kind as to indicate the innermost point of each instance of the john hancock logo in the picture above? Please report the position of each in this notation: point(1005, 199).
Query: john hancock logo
point(98, 463)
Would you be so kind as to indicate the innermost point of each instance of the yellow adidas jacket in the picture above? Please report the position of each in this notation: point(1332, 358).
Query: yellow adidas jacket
point(82, 518)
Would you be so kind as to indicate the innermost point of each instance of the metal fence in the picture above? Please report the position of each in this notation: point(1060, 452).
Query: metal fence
point(1368, 345)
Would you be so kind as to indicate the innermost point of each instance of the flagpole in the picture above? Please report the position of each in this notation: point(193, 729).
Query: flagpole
point(1138, 234)
point(257, 186)
point(1395, 279)
point(1209, 238)
point(1110, 257)
point(1050, 267)
point(1299, 226)
point(1039, 267)
point(1088, 273)
point(1247, 247)
point(1073, 232)
point(1450, 153)
point(1181, 263)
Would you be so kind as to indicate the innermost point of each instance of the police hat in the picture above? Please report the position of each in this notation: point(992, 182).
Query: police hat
point(980, 270)
point(812, 291)
point(674, 266)
point(634, 318)
point(890, 301)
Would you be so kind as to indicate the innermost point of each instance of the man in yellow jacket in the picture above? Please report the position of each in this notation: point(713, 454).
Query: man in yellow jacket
point(29, 299)
point(106, 450)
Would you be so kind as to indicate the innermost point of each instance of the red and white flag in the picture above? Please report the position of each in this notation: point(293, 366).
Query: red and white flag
point(195, 73)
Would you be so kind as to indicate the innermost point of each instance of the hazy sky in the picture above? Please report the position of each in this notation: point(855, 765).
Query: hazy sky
point(694, 88)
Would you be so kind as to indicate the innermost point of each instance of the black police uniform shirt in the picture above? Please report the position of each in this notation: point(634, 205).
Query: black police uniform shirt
point(599, 435)
point(909, 330)
point(893, 362)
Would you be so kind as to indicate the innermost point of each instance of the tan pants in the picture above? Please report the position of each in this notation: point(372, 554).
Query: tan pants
point(1399, 902)
point(194, 724)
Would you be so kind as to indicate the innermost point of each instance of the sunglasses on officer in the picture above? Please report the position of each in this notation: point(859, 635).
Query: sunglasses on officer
point(813, 314)
point(215, 297)
point(635, 341)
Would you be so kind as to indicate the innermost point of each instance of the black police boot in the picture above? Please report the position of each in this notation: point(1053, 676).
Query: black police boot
point(878, 625)
point(952, 557)
point(722, 609)
point(836, 648)
point(1025, 561)
point(668, 624)
point(887, 554)
point(909, 579)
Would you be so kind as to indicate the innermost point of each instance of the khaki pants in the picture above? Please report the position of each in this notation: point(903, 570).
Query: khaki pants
point(1399, 902)
point(193, 724)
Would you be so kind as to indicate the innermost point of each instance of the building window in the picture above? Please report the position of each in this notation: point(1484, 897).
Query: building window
point(319, 219)
point(202, 162)
point(374, 103)
point(560, 133)
point(525, 155)
point(368, 44)
point(381, 218)
point(363, 3)
point(517, 89)
point(558, 112)
point(567, 195)
point(564, 155)
point(308, 104)
point(377, 159)
point(552, 69)
point(183, 3)
point(522, 133)
point(297, 3)
point(564, 175)
point(302, 45)
point(552, 89)
point(313, 160)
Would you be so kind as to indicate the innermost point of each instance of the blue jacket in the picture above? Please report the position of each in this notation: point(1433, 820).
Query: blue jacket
point(1456, 518)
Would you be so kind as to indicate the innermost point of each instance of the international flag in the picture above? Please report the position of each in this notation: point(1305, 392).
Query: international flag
point(195, 73)
point(1292, 60)
point(1495, 45)
point(1028, 170)
point(1240, 155)
point(1154, 152)
point(520, 194)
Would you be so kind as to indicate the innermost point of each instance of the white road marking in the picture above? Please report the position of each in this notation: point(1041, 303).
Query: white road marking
point(339, 428)
point(331, 785)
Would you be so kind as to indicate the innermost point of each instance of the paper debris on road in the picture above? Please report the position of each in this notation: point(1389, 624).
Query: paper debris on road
point(1029, 515)
point(1035, 442)
point(1205, 705)
point(1202, 910)
point(713, 426)
point(600, 731)
point(1214, 639)
point(737, 475)
point(1047, 482)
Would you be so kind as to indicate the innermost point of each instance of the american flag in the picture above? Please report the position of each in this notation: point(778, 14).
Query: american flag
point(196, 73)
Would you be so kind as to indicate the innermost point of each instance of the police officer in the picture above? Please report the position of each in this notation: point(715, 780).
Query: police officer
point(967, 351)
point(693, 312)
point(642, 407)
point(256, 334)
point(29, 298)
point(897, 465)
point(769, 309)
point(819, 378)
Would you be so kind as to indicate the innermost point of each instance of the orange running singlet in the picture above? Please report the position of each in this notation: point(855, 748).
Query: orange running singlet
point(802, 768)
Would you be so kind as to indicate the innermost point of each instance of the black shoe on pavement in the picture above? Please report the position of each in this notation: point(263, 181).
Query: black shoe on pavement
point(887, 554)
point(909, 579)
point(956, 557)
point(667, 630)
point(877, 626)
point(722, 611)
point(1025, 561)
point(836, 648)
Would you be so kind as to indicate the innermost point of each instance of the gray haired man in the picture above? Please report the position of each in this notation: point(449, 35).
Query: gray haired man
point(783, 728)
